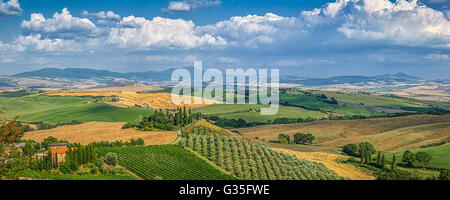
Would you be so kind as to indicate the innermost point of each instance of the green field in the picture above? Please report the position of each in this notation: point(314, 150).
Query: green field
point(165, 162)
point(250, 113)
point(311, 102)
point(440, 156)
point(372, 100)
point(66, 109)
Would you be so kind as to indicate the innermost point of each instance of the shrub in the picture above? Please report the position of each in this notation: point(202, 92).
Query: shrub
point(104, 170)
point(444, 175)
point(113, 171)
point(99, 163)
point(399, 175)
point(65, 168)
point(111, 159)
point(94, 170)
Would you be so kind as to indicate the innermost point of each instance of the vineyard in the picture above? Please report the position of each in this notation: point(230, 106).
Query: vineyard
point(252, 161)
point(164, 162)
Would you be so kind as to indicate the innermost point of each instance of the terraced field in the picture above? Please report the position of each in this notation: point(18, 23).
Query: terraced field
point(165, 162)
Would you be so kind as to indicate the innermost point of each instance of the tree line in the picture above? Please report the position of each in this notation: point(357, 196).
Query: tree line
point(165, 120)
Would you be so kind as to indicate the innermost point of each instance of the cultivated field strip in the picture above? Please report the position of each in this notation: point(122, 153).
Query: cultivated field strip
point(166, 162)
point(250, 161)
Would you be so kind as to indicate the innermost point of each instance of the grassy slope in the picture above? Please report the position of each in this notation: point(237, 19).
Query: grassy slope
point(65, 109)
point(389, 134)
point(372, 100)
point(236, 111)
point(203, 124)
point(312, 103)
point(440, 156)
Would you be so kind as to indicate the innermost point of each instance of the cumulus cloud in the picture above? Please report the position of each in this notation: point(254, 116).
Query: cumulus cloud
point(188, 5)
point(138, 32)
point(11, 7)
point(403, 22)
point(61, 25)
point(103, 15)
point(400, 23)
point(252, 31)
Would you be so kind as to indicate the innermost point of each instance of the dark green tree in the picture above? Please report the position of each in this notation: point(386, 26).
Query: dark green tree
point(351, 149)
point(423, 158)
point(367, 147)
point(29, 149)
point(394, 163)
point(409, 158)
point(379, 159)
point(383, 162)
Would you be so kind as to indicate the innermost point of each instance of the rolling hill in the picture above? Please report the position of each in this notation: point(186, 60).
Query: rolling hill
point(66, 109)
point(386, 134)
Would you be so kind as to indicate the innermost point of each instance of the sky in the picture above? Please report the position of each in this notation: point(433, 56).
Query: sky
point(307, 38)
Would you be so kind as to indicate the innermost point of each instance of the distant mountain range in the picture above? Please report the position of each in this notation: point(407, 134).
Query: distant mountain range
point(79, 73)
point(386, 78)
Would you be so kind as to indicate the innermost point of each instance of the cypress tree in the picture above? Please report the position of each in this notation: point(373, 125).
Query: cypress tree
point(190, 116)
point(383, 163)
point(184, 115)
point(56, 165)
point(394, 163)
point(379, 159)
point(49, 164)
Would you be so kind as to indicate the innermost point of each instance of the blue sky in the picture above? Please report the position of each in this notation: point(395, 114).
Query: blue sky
point(309, 38)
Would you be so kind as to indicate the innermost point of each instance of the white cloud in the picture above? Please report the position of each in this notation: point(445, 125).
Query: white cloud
point(103, 15)
point(252, 31)
point(11, 7)
point(188, 5)
point(403, 22)
point(179, 6)
point(160, 33)
point(437, 57)
point(36, 42)
point(61, 25)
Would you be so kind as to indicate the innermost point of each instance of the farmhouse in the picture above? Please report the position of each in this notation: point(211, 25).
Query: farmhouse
point(58, 149)
point(14, 147)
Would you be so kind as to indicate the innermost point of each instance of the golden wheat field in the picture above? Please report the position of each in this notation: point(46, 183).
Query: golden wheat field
point(102, 131)
point(147, 100)
point(124, 88)
point(332, 163)
point(386, 134)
